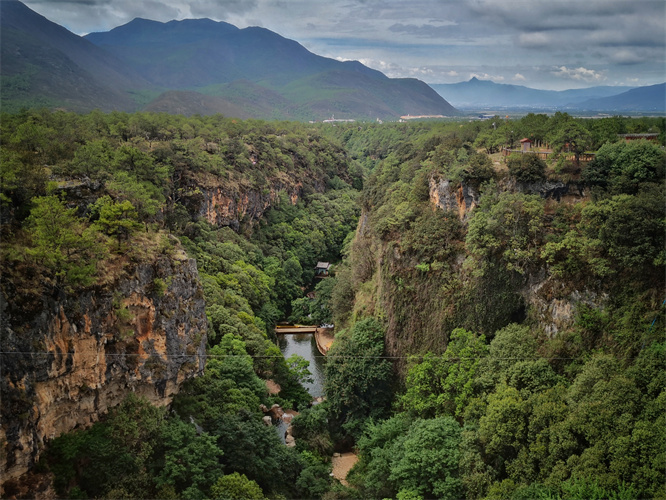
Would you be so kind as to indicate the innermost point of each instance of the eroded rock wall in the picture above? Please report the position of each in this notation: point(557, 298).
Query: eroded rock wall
point(66, 364)
point(460, 198)
point(221, 206)
point(449, 294)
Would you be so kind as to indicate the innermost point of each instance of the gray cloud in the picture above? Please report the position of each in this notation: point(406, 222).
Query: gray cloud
point(209, 8)
point(424, 30)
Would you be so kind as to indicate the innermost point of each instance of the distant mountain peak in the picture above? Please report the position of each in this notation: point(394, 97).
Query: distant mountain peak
point(475, 93)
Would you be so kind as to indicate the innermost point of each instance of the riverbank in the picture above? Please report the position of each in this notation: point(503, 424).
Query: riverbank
point(342, 464)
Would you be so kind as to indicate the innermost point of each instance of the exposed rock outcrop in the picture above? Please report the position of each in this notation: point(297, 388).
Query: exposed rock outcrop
point(557, 312)
point(222, 208)
point(554, 190)
point(227, 203)
point(66, 363)
point(456, 197)
point(461, 198)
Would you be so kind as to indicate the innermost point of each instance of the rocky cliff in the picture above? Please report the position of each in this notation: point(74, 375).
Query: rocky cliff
point(71, 358)
point(428, 263)
point(222, 207)
point(456, 197)
point(461, 198)
point(237, 197)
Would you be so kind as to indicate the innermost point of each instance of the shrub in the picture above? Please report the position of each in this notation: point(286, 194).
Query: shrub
point(527, 167)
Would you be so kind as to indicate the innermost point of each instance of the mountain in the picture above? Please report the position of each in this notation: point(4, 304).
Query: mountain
point(186, 102)
point(646, 99)
point(45, 64)
point(193, 66)
point(477, 93)
point(259, 69)
point(199, 52)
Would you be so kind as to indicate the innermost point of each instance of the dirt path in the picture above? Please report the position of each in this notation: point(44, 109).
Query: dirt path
point(342, 464)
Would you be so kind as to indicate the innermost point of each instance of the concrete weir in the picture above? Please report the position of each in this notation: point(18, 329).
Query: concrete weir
point(323, 336)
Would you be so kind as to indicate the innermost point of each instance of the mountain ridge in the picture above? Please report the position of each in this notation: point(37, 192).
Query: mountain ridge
point(43, 60)
point(649, 98)
point(193, 66)
point(476, 93)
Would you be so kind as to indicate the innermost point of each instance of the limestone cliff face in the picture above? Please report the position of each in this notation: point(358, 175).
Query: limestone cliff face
point(221, 206)
point(456, 197)
point(227, 201)
point(423, 299)
point(462, 198)
point(67, 364)
point(555, 310)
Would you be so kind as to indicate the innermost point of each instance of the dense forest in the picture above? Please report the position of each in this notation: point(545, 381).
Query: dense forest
point(506, 341)
point(500, 399)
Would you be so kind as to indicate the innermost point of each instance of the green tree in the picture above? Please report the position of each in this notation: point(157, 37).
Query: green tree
point(236, 486)
point(534, 126)
point(623, 167)
point(310, 426)
point(117, 219)
point(491, 140)
point(527, 167)
point(511, 344)
point(93, 159)
point(507, 228)
point(570, 136)
point(379, 446)
point(630, 229)
point(314, 481)
point(229, 360)
point(20, 180)
point(275, 468)
point(191, 460)
point(358, 378)
point(299, 367)
point(139, 165)
point(480, 169)
point(144, 196)
point(316, 311)
point(444, 383)
point(61, 242)
point(428, 463)
point(116, 455)
point(503, 427)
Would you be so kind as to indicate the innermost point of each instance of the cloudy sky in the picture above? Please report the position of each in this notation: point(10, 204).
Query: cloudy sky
point(546, 44)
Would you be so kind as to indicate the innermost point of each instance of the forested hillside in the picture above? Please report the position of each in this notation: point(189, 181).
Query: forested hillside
point(522, 302)
point(93, 203)
point(499, 319)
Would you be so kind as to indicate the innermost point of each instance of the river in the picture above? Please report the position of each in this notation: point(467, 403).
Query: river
point(304, 345)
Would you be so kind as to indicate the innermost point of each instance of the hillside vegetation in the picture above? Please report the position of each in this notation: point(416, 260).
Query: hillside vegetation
point(499, 320)
point(85, 199)
point(528, 324)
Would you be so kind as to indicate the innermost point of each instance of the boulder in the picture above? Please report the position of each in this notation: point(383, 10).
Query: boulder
point(276, 412)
